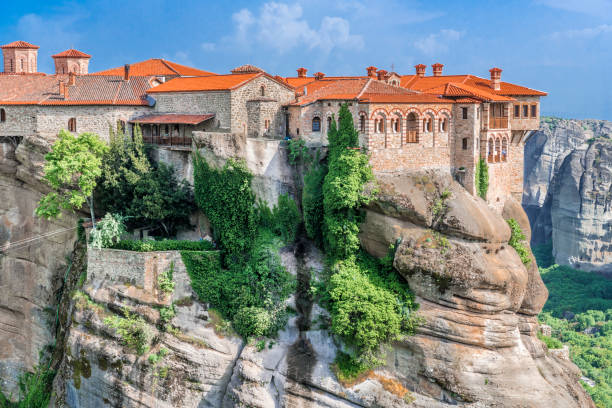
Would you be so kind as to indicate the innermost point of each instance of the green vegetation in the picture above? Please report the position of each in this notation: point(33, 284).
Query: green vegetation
point(312, 202)
point(481, 178)
point(226, 197)
point(145, 192)
point(517, 241)
point(132, 329)
point(167, 313)
point(579, 311)
point(71, 169)
point(155, 358)
point(164, 245)
point(347, 369)
point(298, 152)
point(249, 293)
point(283, 219)
point(165, 280)
point(34, 390)
point(108, 231)
point(550, 342)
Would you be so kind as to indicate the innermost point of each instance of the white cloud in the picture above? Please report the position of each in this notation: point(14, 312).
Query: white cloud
point(282, 27)
point(438, 43)
point(207, 46)
point(591, 7)
point(584, 33)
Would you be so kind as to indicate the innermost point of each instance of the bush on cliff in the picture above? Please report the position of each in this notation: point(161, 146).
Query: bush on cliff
point(226, 197)
point(283, 219)
point(147, 193)
point(312, 202)
point(163, 245)
point(481, 178)
point(517, 241)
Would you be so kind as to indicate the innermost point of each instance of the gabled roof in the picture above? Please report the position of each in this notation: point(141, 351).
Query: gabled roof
point(87, 90)
point(71, 53)
point(211, 83)
point(453, 89)
point(173, 118)
point(156, 67)
point(20, 44)
point(429, 83)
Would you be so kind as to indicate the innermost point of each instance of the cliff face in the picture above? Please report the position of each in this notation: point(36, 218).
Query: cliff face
point(31, 272)
point(567, 190)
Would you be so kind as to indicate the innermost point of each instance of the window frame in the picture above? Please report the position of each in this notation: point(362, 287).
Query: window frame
point(464, 112)
point(525, 110)
point(317, 120)
point(72, 125)
point(2, 115)
point(464, 143)
point(533, 110)
point(517, 110)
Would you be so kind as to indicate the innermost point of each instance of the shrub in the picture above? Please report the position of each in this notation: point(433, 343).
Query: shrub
point(298, 152)
point(283, 219)
point(481, 178)
point(261, 282)
point(167, 313)
point(132, 329)
point(347, 368)
point(165, 280)
point(34, 389)
point(550, 342)
point(517, 241)
point(312, 202)
point(164, 245)
point(108, 231)
point(226, 197)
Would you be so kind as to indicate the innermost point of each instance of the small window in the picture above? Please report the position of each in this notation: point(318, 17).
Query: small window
point(72, 126)
point(464, 143)
point(166, 130)
point(155, 130)
point(11, 65)
point(517, 111)
point(362, 120)
point(328, 103)
point(22, 65)
point(534, 109)
point(525, 111)
point(297, 130)
point(464, 112)
point(267, 124)
point(316, 125)
point(2, 115)
point(396, 125)
point(329, 122)
point(262, 91)
point(122, 126)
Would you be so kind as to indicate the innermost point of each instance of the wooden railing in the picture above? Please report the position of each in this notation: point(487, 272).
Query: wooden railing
point(167, 140)
point(498, 122)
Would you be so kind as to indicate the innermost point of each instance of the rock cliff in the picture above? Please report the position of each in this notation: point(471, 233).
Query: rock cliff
point(32, 267)
point(567, 193)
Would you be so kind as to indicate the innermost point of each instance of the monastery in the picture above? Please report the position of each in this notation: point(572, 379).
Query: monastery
point(415, 121)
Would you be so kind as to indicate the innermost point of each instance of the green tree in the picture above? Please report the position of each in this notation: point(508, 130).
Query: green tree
point(344, 135)
point(312, 202)
point(72, 169)
point(145, 192)
point(482, 178)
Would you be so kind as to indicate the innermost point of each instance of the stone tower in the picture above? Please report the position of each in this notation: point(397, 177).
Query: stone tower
point(20, 57)
point(71, 61)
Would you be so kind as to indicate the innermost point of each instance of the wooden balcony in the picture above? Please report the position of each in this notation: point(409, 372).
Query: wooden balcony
point(168, 140)
point(498, 122)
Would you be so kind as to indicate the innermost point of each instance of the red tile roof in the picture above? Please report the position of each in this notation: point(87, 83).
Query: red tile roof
point(71, 53)
point(87, 90)
point(156, 67)
point(246, 69)
point(427, 83)
point(20, 44)
point(174, 118)
point(207, 83)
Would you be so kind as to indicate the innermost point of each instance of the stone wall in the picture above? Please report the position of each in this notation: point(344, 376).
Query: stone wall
point(217, 102)
point(25, 120)
point(252, 90)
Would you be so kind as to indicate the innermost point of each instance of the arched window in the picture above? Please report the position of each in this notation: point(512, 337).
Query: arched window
point(380, 125)
point(316, 124)
point(504, 149)
point(362, 122)
point(412, 128)
point(266, 124)
point(497, 150)
point(329, 119)
point(11, 68)
point(72, 126)
point(2, 115)
point(396, 123)
point(262, 90)
point(22, 65)
point(490, 150)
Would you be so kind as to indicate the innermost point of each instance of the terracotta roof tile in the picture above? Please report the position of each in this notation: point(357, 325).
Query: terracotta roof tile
point(427, 83)
point(87, 90)
point(71, 53)
point(206, 83)
point(156, 67)
point(20, 44)
point(246, 69)
point(187, 119)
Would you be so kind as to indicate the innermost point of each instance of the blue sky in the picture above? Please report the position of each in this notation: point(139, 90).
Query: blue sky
point(563, 47)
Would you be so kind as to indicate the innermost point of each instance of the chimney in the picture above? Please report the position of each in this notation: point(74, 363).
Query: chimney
point(371, 71)
point(301, 72)
point(420, 69)
point(495, 78)
point(382, 75)
point(319, 75)
point(63, 90)
point(71, 78)
point(126, 72)
point(437, 69)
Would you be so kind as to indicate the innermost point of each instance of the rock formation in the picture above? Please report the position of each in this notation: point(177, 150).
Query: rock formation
point(567, 190)
point(33, 266)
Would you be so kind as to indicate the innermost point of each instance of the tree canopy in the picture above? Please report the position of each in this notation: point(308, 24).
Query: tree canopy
point(71, 169)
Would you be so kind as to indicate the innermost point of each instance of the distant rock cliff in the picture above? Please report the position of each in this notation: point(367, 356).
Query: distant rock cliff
point(568, 191)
